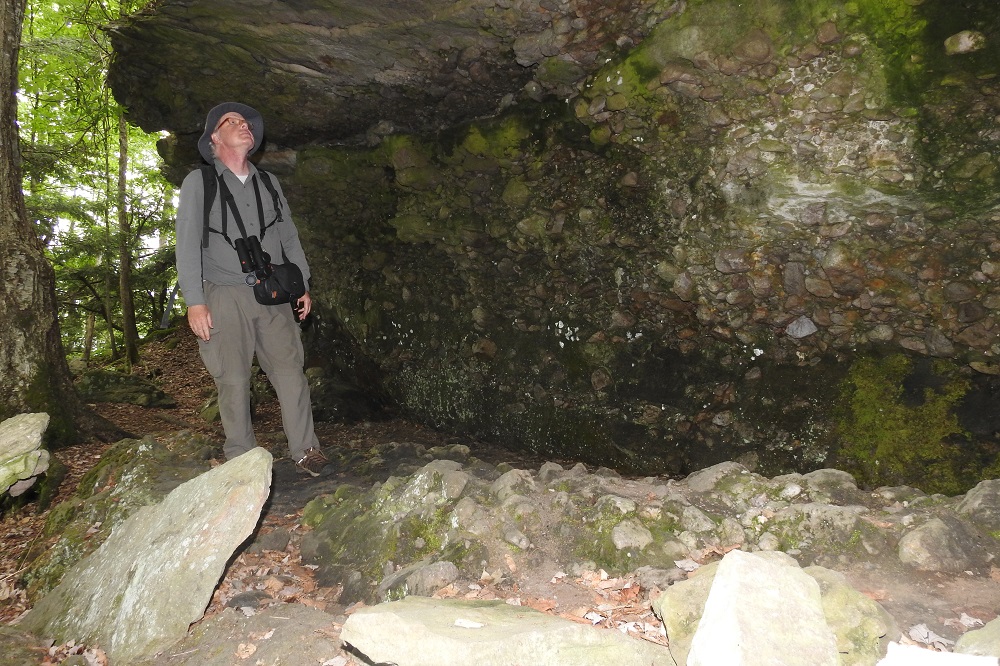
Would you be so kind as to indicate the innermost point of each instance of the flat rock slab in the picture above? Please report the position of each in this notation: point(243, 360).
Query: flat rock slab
point(139, 592)
point(286, 634)
point(418, 631)
point(21, 455)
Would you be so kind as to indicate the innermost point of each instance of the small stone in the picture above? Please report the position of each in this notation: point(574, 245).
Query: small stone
point(955, 292)
point(881, 333)
point(756, 48)
point(878, 220)
point(732, 260)
point(630, 534)
point(801, 328)
point(828, 33)
point(966, 41)
point(938, 344)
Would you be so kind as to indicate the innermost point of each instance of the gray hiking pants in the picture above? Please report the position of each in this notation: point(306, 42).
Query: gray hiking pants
point(242, 327)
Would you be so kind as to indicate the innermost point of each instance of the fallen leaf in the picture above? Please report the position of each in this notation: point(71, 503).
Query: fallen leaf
point(878, 523)
point(446, 592)
point(245, 650)
point(509, 559)
point(312, 603)
point(921, 633)
point(575, 618)
point(544, 605)
point(355, 607)
point(964, 622)
point(262, 636)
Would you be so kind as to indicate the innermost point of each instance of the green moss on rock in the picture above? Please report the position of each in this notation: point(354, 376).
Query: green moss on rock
point(890, 438)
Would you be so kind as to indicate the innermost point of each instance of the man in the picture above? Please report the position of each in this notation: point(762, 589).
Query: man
point(230, 324)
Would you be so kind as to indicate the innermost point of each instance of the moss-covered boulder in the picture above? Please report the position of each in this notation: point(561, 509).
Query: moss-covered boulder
point(130, 475)
point(110, 386)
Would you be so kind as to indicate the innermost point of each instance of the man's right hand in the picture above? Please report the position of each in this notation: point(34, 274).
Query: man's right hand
point(200, 321)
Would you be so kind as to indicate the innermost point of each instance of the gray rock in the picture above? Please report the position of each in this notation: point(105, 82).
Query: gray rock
point(801, 327)
point(862, 627)
point(707, 479)
point(422, 578)
point(965, 41)
point(429, 632)
point(794, 276)
point(154, 576)
point(631, 534)
point(833, 485)
point(275, 634)
point(752, 595)
point(130, 475)
point(983, 642)
point(107, 386)
point(732, 260)
point(514, 482)
point(680, 608)
point(549, 472)
point(981, 505)
point(21, 458)
point(942, 544)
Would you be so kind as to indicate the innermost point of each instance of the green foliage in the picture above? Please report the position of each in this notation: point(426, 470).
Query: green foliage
point(70, 143)
point(889, 440)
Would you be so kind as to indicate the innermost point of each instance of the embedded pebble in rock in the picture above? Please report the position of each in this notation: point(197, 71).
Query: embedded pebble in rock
point(966, 41)
point(802, 327)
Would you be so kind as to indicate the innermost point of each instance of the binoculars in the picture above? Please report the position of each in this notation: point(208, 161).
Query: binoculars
point(253, 260)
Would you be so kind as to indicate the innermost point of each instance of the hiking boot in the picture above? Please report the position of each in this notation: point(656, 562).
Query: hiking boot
point(313, 462)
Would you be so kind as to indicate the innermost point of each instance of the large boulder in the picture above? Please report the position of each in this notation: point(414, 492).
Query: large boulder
point(750, 596)
point(131, 474)
point(154, 576)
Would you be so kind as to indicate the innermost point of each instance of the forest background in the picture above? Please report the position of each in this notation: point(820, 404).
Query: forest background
point(92, 185)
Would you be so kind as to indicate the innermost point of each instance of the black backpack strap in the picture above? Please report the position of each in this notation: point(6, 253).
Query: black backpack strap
point(208, 176)
point(266, 177)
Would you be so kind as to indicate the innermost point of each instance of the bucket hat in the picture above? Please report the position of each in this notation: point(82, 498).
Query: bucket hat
point(212, 121)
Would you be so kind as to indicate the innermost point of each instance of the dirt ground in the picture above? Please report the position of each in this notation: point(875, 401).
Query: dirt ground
point(268, 575)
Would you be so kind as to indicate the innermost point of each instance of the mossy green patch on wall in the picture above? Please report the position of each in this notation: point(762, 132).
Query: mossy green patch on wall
point(890, 440)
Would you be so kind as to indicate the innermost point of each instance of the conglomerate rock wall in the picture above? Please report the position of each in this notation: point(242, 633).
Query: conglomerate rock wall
point(758, 230)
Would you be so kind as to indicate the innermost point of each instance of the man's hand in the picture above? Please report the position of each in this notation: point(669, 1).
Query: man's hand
point(304, 305)
point(200, 321)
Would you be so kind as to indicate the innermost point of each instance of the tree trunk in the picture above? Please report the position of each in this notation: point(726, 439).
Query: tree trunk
point(34, 376)
point(88, 339)
point(130, 335)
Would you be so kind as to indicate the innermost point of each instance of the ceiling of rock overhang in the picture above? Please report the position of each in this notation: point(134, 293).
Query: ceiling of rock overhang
point(331, 70)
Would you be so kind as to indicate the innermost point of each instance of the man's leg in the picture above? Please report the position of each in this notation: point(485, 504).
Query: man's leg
point(279, 352)
point(234, 412)
point(228, 356)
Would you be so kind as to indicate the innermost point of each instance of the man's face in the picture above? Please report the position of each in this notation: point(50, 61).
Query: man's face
point(234, 132)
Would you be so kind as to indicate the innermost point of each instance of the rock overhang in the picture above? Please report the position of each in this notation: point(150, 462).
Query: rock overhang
point(329, 72)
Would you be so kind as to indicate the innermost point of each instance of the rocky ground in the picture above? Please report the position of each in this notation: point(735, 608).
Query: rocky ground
point(268, 574)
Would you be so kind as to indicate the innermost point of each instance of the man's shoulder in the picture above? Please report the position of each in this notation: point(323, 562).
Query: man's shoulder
point(197, 177)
